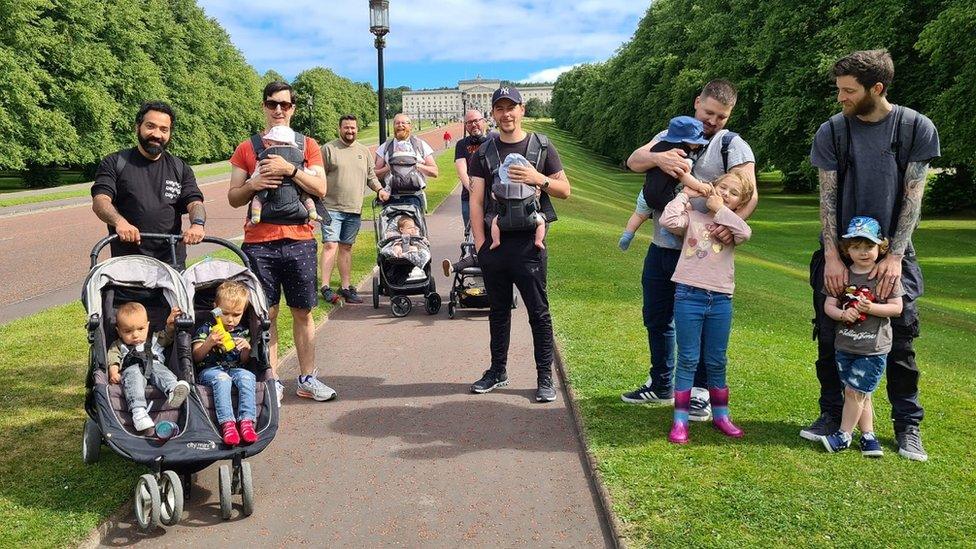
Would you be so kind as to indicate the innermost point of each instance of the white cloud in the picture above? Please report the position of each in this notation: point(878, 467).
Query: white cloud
point(548, 75)
point(299, 34)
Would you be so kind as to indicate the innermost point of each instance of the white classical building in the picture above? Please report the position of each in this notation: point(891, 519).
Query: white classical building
point(470, 94)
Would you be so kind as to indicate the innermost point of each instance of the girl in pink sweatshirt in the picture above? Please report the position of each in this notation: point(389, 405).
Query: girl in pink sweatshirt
point(705, 279)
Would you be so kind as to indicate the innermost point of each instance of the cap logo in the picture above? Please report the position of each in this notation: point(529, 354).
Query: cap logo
point(504, 90)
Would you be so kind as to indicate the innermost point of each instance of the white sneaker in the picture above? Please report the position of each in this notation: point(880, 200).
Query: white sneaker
point(141, 420)
point(315, 389)
point(178, 394)
point(280, 389)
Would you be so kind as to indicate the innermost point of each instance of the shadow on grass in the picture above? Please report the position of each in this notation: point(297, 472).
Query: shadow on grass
point(636, 425)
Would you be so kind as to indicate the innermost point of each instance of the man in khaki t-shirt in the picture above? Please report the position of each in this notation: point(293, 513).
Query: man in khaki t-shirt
point(348, 171)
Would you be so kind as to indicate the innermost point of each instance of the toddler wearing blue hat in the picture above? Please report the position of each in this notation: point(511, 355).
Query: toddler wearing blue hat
point(684, 132)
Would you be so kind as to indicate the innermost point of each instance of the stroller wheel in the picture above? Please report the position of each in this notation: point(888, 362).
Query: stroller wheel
point(223, 478)
point(247, 488)
point(401, 306)
point(171, 497)
point(432, 304)
point(451, 310)
point(376, 292)
point(91, 442)
point(146, 502)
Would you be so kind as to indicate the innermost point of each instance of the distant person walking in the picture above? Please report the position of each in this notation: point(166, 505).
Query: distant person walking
point(873, 160)
point(147, 190)
point(348, 171)
point(517, 260)
point(447, 139)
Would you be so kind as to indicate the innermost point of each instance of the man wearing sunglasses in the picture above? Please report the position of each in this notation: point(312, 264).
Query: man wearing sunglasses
point(476, 127)
point(283, 255)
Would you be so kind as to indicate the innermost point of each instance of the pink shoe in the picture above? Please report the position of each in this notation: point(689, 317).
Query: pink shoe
point(725, 425)
point(720, 413)
point(229, 433)
point(679, 433)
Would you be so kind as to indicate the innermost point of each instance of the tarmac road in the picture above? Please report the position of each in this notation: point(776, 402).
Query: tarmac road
point(45, 247)
point(406, 456)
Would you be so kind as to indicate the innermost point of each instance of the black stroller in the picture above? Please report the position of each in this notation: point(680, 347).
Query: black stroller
point(159, 495)
point(468, 287)
point(397, 277)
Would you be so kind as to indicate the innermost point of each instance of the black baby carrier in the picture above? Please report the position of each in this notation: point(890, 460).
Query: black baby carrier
point(283, 205)
point(514, 203)
point(405, 177)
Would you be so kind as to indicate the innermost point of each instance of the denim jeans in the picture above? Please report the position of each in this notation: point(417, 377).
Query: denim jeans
point(659, 265)
point(466, 215)
point(220, 382)
point(134, 383)
point(703, 321)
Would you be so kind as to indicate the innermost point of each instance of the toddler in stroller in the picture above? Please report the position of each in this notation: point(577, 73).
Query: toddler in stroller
point(403, 259)
point(131, 363)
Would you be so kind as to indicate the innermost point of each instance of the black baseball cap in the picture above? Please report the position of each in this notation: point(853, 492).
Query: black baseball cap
point(506, 92)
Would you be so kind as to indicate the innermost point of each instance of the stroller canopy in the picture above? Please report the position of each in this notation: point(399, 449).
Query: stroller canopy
point(212, 272)
point(135, 271)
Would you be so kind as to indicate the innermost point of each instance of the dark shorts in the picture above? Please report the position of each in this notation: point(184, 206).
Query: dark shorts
point(342, 229)
point(860, 372)
point(288, 264)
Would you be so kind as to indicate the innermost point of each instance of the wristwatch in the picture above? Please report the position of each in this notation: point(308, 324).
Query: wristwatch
point(294, 173)
point(545, 183)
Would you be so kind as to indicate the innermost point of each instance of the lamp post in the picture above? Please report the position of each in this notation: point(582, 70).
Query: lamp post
point(379, 24)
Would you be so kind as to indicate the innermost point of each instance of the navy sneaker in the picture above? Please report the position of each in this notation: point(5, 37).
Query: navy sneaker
point(329, 295)
point(821, 427)
point(490, 381)
point(837, 441)
point(870, 447)
point(648, 395)
point(350, 295)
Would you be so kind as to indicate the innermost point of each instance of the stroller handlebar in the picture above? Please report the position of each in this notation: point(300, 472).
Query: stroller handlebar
point(173, 239)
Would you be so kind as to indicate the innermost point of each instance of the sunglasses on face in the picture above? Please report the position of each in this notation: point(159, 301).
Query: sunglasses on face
point(272, 105)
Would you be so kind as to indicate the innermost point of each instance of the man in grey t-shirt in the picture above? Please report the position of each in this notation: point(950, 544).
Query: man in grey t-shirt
point(713, 108)
point(873, 161)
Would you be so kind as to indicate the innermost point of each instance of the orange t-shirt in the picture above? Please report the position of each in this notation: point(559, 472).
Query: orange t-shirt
point(245, 159)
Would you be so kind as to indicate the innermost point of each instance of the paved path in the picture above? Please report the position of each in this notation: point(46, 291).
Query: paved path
point(44, 246)
point(407, 456)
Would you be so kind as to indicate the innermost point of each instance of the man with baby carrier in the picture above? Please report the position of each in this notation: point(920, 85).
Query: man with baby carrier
point(504, 166)
point(147, 189)
point(404, 163)
point(281, 245)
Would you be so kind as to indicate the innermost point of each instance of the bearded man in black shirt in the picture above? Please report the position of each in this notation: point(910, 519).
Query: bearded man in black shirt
point(147, 190)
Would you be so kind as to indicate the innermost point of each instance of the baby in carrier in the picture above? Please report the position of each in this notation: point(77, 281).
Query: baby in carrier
point(280, 140)
point(516, 205)
point(410, 246)
point(137, 357)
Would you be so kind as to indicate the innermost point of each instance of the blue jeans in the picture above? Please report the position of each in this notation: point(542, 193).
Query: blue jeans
point(220, 382)
point(466, 215)
point(703, 321)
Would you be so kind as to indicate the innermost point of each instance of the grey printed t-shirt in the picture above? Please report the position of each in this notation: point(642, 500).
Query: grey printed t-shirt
point(871, 184)
point(708, 166)
point(871, 336)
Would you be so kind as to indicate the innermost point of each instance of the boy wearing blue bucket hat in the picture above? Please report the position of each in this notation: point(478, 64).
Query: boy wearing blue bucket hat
point(863, 334)
point(686, 133)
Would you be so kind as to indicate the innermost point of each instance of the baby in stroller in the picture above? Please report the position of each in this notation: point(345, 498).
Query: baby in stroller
point(406, 243)
point(131, 361)
point(221, 367)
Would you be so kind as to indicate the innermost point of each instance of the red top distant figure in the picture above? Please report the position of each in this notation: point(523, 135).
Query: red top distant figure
point(447, 139)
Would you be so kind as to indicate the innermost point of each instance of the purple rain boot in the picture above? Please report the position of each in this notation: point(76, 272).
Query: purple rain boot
point(679, 431)
point(720, 413)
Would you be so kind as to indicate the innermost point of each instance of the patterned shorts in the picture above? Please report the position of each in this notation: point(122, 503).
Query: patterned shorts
point(860, 372)
point(286, 264)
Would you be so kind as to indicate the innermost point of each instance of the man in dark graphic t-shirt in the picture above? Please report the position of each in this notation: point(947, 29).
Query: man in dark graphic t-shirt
point(477, 128)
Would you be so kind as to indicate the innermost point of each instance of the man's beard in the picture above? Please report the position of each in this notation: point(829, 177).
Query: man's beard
point(863, 107)
point(152, 148)
point(348, 141)
point(401, 134)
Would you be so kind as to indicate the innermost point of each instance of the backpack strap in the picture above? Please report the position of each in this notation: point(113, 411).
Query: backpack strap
point(418, 146)
point(121, 161)
point(727, 138)
point(300, 143)
point(537, 150)
point(902, 148)
point(257, 144)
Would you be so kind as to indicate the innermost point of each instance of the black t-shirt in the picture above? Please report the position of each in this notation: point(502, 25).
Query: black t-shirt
point(465, 148)
point(150, 194)
point(551, 166)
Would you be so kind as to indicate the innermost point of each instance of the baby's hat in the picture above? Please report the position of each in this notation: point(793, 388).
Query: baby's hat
point(281, 134)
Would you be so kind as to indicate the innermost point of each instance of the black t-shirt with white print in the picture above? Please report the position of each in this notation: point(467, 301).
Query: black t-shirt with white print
point(150, 194)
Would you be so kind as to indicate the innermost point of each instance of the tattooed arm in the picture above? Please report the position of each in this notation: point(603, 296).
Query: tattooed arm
point(835, 273)
point(888, 270)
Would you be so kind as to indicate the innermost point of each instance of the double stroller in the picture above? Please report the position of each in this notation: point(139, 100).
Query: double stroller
point(172, 460)
point(399, 277)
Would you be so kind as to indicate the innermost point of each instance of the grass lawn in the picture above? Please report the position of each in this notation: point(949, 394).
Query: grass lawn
point(48, 497)
point(771, 488)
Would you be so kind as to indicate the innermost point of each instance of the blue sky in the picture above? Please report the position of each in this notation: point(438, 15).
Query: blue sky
point(431, 42)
